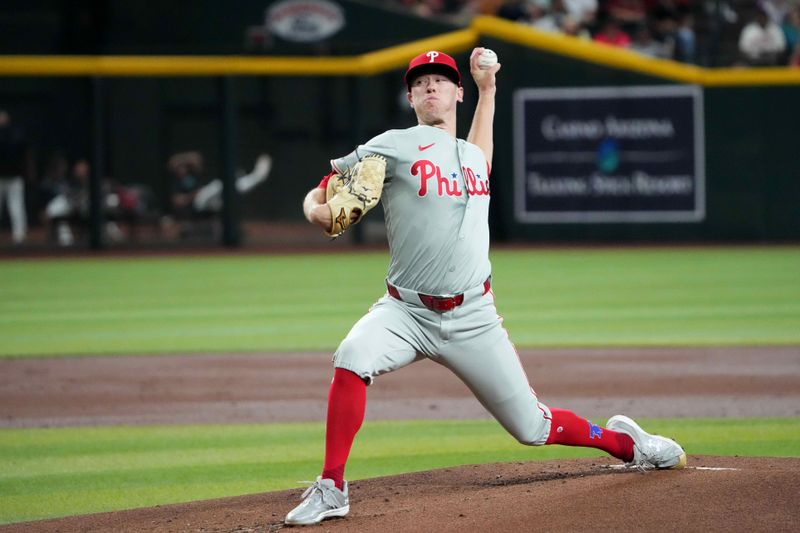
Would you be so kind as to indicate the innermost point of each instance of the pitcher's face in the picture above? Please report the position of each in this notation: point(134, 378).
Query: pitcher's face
point(434, 98)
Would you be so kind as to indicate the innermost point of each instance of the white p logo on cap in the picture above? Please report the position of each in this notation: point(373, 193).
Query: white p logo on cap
point(433, 56)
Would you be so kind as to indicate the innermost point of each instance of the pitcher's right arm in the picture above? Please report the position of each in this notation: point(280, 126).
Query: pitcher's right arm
point(315, 209)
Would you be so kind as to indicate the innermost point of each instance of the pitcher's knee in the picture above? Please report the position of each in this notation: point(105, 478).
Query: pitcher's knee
point(535, 429)
point(347, 350)
point(348, 356)
point(533, 437)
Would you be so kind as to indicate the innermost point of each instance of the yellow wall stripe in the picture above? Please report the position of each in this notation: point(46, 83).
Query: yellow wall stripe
point(370, 63)
point(393, 58)
point(398, 56)
point(174, 65)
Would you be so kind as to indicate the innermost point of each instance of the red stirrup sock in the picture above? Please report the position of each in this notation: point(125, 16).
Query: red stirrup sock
point(569, 429)
point(347, 401)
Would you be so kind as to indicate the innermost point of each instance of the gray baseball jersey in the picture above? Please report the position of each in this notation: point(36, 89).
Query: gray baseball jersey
point(436, 204)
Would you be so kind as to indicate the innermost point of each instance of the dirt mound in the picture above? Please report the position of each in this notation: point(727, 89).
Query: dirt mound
point(712, 494)
point(293, 387)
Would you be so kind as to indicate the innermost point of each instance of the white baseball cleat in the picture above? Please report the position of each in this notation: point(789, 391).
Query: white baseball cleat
point(649, 451)
point(320, 501)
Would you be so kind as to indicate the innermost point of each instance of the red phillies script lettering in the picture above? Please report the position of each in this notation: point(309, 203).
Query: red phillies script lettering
point(447, 186)
point(427, 170)
point(475, 186)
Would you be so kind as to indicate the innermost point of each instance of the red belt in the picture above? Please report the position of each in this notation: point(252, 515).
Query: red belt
point(439, 303)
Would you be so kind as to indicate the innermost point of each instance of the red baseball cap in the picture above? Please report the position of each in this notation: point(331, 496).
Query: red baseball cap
point(433, 62)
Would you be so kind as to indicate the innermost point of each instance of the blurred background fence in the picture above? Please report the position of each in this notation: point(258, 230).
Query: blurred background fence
point(122, 107)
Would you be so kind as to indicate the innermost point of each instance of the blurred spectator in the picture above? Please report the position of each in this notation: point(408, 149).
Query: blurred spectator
point(794, 59)
point(721, 9)
point(583, 11)
point(456, 11)
point(516, 10)
point(629, 13)
point(15, 166)
point(572, 26)
point(761, 41)
point(54, 179)
point(659, 9)
point(611, 33)
point(418, 7)
point(186, 169)
point(665, 17)
point(777, 9)
point(70, 204)
point(644, 43)
point(460, 11)
point(552, 18)
point(791, 28)
point(129, 204)
point(193, 198)
point(685, 40)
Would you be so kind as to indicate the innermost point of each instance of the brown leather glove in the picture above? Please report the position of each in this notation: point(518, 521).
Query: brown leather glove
point(352, 195)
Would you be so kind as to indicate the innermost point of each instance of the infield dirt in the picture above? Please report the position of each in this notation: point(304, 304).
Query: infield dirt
point(714, 494)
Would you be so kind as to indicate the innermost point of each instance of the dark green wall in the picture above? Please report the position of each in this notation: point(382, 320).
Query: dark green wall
point(753, 152)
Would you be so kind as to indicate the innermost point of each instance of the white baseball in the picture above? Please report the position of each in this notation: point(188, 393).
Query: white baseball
point(487, 59)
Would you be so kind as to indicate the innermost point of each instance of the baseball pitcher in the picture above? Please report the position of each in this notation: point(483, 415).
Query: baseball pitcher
point(435, 191)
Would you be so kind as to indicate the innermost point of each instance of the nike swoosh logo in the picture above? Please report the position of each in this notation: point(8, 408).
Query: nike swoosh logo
point(423, 148)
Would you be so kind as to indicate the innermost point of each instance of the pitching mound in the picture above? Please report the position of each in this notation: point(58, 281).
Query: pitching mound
point(712, 494)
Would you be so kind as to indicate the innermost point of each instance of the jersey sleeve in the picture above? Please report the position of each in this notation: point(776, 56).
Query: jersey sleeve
point(384, 145)
point(325, 179)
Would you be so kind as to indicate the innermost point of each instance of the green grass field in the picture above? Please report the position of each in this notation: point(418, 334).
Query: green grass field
point(57, 472)
point(588, 297)
point(262, 303)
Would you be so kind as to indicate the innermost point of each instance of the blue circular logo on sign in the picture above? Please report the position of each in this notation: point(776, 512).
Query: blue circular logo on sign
point(608, 156)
